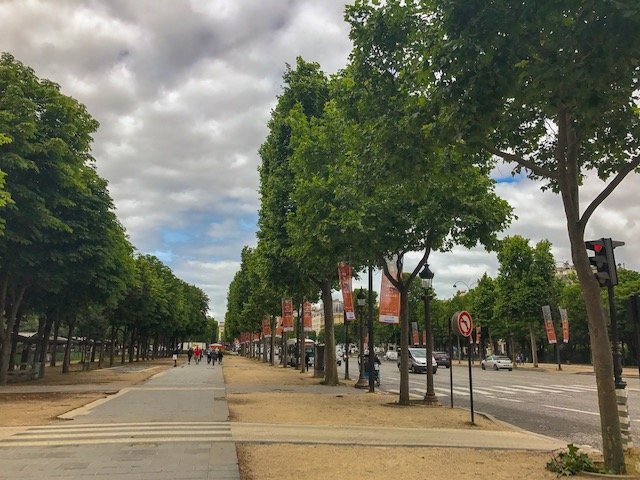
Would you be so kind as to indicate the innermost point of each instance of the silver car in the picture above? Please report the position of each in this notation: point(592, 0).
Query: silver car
point(418, 361)
point(497, 362)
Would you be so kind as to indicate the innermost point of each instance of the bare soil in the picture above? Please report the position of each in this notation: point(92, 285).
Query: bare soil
point(282, 404)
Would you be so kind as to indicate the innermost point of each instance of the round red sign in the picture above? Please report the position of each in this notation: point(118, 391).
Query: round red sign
point(462, 323)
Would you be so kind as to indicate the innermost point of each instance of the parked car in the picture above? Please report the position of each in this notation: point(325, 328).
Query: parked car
point(497, 362)
point(391, 355)
point(418, 361)
point(442, 359)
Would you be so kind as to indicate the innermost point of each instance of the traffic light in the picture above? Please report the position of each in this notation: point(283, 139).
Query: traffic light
point(604, 260)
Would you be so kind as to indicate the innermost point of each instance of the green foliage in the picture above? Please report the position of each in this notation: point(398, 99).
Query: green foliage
point(571, 461)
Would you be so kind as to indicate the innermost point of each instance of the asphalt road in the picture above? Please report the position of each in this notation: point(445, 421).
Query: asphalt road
point(560, 405)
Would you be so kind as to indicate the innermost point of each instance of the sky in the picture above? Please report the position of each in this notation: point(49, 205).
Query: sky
point(183, 91)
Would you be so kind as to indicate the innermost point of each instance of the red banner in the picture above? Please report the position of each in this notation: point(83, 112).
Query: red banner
point(344, 275)
point(565, 325)
point(424, 338)
point(266, 327)
point(287, 314)
point(306, 316)
point(414, 333)
point(389, 297)
point(548, 323)
point(279, 326)
point(478, 335)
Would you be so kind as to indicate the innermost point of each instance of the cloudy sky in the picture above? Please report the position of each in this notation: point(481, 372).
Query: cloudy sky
point(183, 90)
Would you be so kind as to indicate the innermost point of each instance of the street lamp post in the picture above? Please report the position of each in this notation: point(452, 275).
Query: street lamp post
point(346, 348)
point(362, 300)
point(426, 277)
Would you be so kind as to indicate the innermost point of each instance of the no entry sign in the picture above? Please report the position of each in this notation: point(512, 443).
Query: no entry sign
point(462, 323)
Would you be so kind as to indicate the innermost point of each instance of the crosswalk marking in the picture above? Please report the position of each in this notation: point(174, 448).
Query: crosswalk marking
point(528, 389)
point(84, 434)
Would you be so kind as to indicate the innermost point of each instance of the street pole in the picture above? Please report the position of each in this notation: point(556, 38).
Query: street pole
point(450, 364)
point(346, 347)
point(430, 396)
point(426, 278)
point(362, 382)
point(615, 347)
point(372, 352)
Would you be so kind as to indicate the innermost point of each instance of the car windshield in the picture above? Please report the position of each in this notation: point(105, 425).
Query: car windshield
point(418, 352)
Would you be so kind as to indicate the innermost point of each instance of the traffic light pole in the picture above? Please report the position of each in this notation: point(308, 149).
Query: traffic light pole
point(615, 347)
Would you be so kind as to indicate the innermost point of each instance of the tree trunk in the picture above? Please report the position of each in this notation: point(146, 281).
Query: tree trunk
point(132, 341)
point(14, 344)
point(44, 343)
point(273, 341)
point(534, 348)
point(602, 358)
point(123, 352)
point(101, 357)
point(112, 345)
point(67, 349)
point(330, 366)
point(56, 332)
point(6, 335)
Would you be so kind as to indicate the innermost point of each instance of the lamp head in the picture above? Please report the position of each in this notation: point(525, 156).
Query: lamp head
point(426, 277)
point(362, 298)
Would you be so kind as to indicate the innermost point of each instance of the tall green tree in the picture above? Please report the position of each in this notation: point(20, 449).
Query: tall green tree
point(525, 282)
point(552, 89)
point(417, 195)
point(50, 138)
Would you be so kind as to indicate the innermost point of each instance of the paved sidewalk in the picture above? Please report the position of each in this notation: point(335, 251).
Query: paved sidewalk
point(173, 426)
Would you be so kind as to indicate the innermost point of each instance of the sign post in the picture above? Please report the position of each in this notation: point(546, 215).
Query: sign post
point(462, 324)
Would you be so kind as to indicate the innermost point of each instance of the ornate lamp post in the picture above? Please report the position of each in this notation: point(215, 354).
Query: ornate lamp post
point(362, 300)
point(426, 277)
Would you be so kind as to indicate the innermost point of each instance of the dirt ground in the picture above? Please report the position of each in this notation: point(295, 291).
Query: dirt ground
point(280, 404)
point(18, 409)
point(319, 462)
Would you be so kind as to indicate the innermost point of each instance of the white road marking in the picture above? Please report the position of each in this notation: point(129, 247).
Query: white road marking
point(571, 410)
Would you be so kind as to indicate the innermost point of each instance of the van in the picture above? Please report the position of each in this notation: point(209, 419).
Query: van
point(418, 361)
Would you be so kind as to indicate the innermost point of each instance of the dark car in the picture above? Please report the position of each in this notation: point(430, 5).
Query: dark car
point(442, 359)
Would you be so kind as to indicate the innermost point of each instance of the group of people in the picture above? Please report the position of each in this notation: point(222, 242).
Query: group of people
point(213, 355)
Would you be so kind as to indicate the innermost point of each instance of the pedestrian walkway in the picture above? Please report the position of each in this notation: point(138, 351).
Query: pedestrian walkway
point(174, 426)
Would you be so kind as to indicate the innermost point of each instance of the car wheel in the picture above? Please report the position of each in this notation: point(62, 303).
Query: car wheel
point(511, 369)
point(495, 367)
point(411, 369)
point(482, 366)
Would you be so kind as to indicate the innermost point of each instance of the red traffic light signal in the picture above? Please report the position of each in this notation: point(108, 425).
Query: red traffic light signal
point(604, 261)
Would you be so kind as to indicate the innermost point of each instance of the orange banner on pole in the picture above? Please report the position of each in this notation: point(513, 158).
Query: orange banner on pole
point(548, 323)
point(565, 325)
point(266, 328)
point(287, 314)
point(344, 274)
point(414, 333)
point(389, 297)
point(306, 316)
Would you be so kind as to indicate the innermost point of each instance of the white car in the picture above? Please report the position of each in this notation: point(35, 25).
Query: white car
point(391, 355)
point(497, 362)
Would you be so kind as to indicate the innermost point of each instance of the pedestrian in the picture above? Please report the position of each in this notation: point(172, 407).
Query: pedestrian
point(220, 355)
point(175, 357)
point(197, 353)
point(189, 355)
point(214, 356)
point(208, 355)
point(307, 360)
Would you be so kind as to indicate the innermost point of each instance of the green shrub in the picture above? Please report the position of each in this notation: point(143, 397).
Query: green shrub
point(571, 461)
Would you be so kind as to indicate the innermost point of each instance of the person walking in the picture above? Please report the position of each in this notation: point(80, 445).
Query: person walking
point(197, 353)
point(220, 355)
point(189, 355)
point(208, 355)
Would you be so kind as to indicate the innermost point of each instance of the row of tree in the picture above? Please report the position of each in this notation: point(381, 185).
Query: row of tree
point(64, 256)
point(393, 154)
